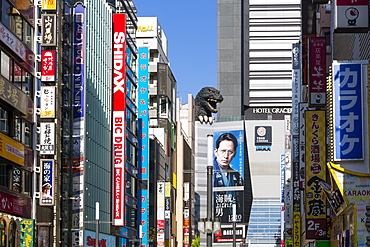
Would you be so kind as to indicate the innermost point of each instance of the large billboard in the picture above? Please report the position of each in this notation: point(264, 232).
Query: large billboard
point(118, 121)
point(228, 175)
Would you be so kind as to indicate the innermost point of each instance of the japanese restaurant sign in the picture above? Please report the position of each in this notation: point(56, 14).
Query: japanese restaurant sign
point(47, 103)
point(47, 138)
point(48, 31)
point(317, 71)
point(48, 65)
point(315, 125)
point(47, 182)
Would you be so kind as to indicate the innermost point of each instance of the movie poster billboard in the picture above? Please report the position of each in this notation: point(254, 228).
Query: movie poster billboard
point(228, 175)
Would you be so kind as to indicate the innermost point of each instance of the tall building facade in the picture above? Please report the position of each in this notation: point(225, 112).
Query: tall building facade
point(254, 57)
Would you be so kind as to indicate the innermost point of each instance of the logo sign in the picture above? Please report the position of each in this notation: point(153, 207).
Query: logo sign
point(348, 111)
point(48, 62)
point(47, 138)
point(296, 56)
point(317, 71)
point(47, 182)
point(47, 103)
point(11, 150)
point(48, 31)
point(119, 126)
point(351, 14)
point(263, 135)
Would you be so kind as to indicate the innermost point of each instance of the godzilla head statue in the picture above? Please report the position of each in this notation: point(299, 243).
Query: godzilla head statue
point(206, 104)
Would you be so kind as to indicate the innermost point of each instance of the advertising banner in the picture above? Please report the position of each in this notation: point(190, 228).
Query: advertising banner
point(47, 138)
point(47, 182)
point(226, 235)
point(143, 123)
point(11, 149)
point(317, 71)
point(315, 126)
point(167, 210)
point(186, 223)
point(160, 213)
point(348, 111)
point(228, 178)
point(119, 116)
point(27, 233)
point(48, 29)
point(47, 102)
point(356, 188)
point(48, 66)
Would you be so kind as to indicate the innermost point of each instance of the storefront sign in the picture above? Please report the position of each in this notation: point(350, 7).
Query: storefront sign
point(317, 71)
point(47, 102)
point(27, 233)
point(48, 31)
point(11, 150)
point(47, 138)
point(48, 65)
point(47, 182)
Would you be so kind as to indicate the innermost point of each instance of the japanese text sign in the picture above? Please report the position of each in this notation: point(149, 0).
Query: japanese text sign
point(348, 111)
point(317, 71)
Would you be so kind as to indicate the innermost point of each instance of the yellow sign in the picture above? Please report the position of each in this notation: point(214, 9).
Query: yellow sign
point(49, 4)
point(11, 149)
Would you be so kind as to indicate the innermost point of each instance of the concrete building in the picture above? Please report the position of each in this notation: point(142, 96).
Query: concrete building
point(254, 57)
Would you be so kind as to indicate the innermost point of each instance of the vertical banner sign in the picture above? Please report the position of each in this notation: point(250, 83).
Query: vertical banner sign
point(47, 182)
point(143, 96)
point(78, 138)
point(47, 138)
point(48, 31)
point(348, 111)
point(316, 225)
point(230, 143)
point(302, 145)
point(27, 233)
point(296, 98)
point(186, 224)
point(351, 14)
point(48, 65)
point(317, 71)
point(47, 102)
point(119, 124)
point(296, 205)
point(160, 213)
point(167, 211)
point(282, 177)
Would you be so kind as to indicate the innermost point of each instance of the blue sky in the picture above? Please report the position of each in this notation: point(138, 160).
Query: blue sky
point(191, 30)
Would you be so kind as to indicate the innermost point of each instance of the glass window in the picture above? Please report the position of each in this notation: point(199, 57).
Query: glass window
point(4, 174)
point(28, 34)
point(12, 230)
point(4, 121)
point(5, 17)
point(5, 66)
point(27, 182)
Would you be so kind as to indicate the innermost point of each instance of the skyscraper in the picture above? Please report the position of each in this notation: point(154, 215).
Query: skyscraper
point(254, 57)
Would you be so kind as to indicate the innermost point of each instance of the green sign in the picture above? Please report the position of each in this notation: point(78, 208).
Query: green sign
point(27, 233)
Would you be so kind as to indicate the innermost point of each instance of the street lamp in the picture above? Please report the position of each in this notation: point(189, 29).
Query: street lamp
point(209, 225)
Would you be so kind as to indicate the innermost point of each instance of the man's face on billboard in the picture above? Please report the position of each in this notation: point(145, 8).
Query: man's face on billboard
point(225, 153)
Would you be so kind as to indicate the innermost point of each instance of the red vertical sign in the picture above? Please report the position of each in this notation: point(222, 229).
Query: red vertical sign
point(48, 61)
point(317, 71)
point(118, 121)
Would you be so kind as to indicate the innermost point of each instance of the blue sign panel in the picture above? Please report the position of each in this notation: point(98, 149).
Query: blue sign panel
point(348, 112)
